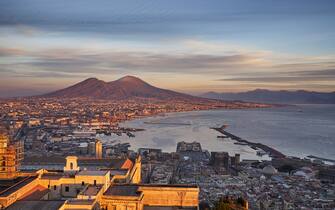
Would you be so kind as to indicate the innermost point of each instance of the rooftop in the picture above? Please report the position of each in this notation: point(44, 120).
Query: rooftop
point(33, 205)
point(80, 202)
point(133, 189)
point(92, 173)
point(89, 163)
point(122, 190)
point(9, 187)
point(92, 190)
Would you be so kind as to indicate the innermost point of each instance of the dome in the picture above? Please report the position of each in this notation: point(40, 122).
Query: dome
point(300, 173)
point(269, 170)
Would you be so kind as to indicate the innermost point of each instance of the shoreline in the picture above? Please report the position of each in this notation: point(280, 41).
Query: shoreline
point(270, 149)
point(164, 114)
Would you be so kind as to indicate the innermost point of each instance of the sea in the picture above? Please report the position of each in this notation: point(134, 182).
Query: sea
point(295, 130)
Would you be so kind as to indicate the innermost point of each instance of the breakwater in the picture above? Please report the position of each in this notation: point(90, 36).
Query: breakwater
point(271, 151)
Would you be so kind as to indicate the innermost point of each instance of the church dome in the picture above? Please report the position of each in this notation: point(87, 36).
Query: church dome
point(269, 170)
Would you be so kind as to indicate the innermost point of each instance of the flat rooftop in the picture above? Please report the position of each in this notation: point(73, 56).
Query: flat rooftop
point(133, 189)
point(122, 190)
point(81, 202)
point(92, 190)
point(92, 173)
point(33, 205)
point(52, 176)
point(59, 161)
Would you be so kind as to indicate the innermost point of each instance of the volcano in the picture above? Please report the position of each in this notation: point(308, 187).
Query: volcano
point(128, 87)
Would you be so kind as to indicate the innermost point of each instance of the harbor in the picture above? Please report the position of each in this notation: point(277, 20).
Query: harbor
point(128, 131)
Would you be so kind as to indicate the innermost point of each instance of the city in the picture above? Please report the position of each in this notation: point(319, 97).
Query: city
point(167, 105)
point(45, 131)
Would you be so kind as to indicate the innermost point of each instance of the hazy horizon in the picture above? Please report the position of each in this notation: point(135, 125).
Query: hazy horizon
point(187, 46)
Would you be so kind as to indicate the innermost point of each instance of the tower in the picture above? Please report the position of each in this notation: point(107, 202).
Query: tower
point(98, 149)
point(237, 159)
point(11, 154)
point(71, 164)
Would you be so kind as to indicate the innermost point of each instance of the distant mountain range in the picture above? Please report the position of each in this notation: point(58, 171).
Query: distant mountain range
point(128, 87)
point(278, 97)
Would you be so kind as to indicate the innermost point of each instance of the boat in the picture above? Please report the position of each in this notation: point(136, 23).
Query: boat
point(222, 137)
point(130, 134)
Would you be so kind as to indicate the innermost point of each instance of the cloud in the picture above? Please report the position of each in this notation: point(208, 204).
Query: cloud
point(233, 65)
point(205, 64)
point(310, 75)
point(11, 52)
point(82, 62)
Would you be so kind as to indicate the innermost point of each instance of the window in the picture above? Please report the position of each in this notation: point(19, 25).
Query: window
point(55, 187)
point(82, 183)
point(67, 189)
point(95, 182)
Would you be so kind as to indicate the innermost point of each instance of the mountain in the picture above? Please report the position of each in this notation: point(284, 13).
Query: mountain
point(278, 97)
point(127, 87)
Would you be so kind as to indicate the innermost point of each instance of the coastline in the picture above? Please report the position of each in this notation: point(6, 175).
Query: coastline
point(293, 145)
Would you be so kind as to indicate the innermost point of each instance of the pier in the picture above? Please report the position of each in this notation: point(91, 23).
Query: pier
point(271, 151)
point(119, 131)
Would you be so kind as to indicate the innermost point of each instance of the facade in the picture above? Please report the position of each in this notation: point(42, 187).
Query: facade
point(222, 159)
point(146, 196)
point(98, 149)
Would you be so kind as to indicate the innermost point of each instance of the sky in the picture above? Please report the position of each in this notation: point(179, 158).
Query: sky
point(192, 46)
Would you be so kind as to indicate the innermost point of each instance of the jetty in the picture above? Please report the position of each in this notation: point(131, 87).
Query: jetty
point(269, 150)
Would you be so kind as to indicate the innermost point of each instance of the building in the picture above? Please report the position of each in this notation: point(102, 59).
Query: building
point(98, 149)
point(88, 183)
point(146, 197)
point(190, 151)
point(222, 159)
point(189, 147)
point(11, 154)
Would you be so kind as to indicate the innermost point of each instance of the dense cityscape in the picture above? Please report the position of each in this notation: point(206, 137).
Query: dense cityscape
point(50, 129)
point(167, 105)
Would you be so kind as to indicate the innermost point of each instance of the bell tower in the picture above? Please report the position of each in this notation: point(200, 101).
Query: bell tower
point(71, 164)
point(11, 154)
